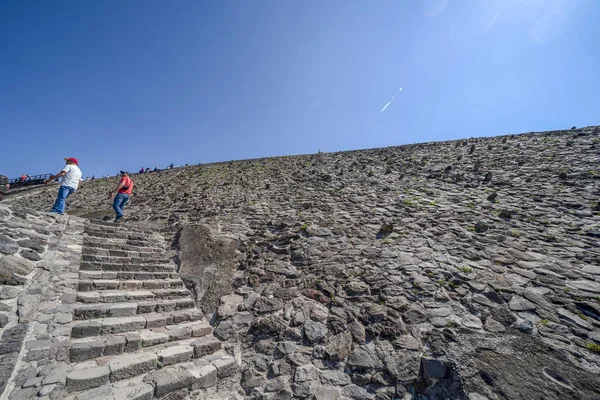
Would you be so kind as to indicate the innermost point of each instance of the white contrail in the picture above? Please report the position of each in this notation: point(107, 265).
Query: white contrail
point(389, 102)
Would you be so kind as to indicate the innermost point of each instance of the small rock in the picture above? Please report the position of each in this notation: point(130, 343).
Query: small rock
point(338, 378)
point(30, 255)
point(32, 244)
point(338, 347)
point(267, 326)
point(225, 330)
point(357, 288)
point(252, 378)
point(564, 314)
point(563, 176)
point(328, 393)
point(265, 305)
point(506, 214)
point(494, 326)
point(503, 315)
point(357, 330)
point(492, 197)
point(314, 331)
point(46, 390)
point(364, 357)
point(3, 320)
point(433, 368)
point(356, 392)
point(525, 326)
point(285, 348)
point(585, 285)
point(305, 389)
point(520, 304)
point(15, 264)
point(305, 373)
point(415, 316)
point(471, 321)
point(8, 245)
point(481, 227)
point(385, 229)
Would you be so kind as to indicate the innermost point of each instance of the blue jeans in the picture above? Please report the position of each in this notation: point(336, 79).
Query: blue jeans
point(119, 203)
point(61, 199)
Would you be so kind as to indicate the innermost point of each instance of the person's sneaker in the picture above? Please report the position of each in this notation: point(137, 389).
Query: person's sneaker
point(118, 219)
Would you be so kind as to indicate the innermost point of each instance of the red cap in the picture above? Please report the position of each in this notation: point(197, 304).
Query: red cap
point(73, 159)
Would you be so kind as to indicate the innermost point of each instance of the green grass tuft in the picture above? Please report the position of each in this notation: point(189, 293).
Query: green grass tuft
point(593, 347)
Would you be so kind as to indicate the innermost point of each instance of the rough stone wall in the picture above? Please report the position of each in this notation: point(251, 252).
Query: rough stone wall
point(38, 252)
point(450, 269)
point(207, 264)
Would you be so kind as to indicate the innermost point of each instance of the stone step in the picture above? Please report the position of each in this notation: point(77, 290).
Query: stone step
point(119, 244)
point(129, 227)
point(199, 336)
point(86, 285)
point(112, 325)
point(100, 266)
point(102, 310)
point(141, 237)
point(151, 259)
point(140, 276)
point(118, 296)
point(143, 243)
point(125, 236)
point(94, 251)
point(198, 373)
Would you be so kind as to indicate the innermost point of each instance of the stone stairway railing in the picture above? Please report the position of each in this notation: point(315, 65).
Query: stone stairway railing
point(136, 333)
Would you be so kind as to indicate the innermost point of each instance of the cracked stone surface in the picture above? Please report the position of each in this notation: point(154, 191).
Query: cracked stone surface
point(465, 269)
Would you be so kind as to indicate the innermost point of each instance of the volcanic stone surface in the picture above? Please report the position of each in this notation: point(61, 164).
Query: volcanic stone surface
point(465, 269)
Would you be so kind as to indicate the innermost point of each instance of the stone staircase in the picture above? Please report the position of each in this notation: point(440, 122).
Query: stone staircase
point(136, 333)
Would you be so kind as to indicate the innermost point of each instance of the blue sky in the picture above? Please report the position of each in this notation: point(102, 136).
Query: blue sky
point(126, 84)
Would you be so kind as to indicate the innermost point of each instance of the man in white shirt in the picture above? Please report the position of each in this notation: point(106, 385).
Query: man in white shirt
point(70, 176)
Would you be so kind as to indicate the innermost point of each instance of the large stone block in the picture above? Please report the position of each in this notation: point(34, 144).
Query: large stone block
point(150, 338)
point(203, 377)
point(124, 324)
point(144, 391)
point(175, 355)
point(16, 265)
point(226, 366)
point(87, 350)
point(206, 346)
point(168, 380)
point(130, 365)
point(8, 245)
point(86, 329)
point(87, 378)
point(114, 345)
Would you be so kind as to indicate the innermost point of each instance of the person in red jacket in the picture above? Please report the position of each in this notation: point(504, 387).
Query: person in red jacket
point(122, 193)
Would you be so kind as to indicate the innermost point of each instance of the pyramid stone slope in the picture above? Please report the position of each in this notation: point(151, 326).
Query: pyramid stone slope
point(459, 269)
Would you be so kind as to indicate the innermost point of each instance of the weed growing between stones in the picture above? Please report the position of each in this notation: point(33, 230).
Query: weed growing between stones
point(593, 347)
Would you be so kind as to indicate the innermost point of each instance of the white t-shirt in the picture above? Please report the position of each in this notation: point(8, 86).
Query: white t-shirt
point(71, 179)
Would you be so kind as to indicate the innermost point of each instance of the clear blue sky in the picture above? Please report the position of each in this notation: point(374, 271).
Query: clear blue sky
point(125, 84)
